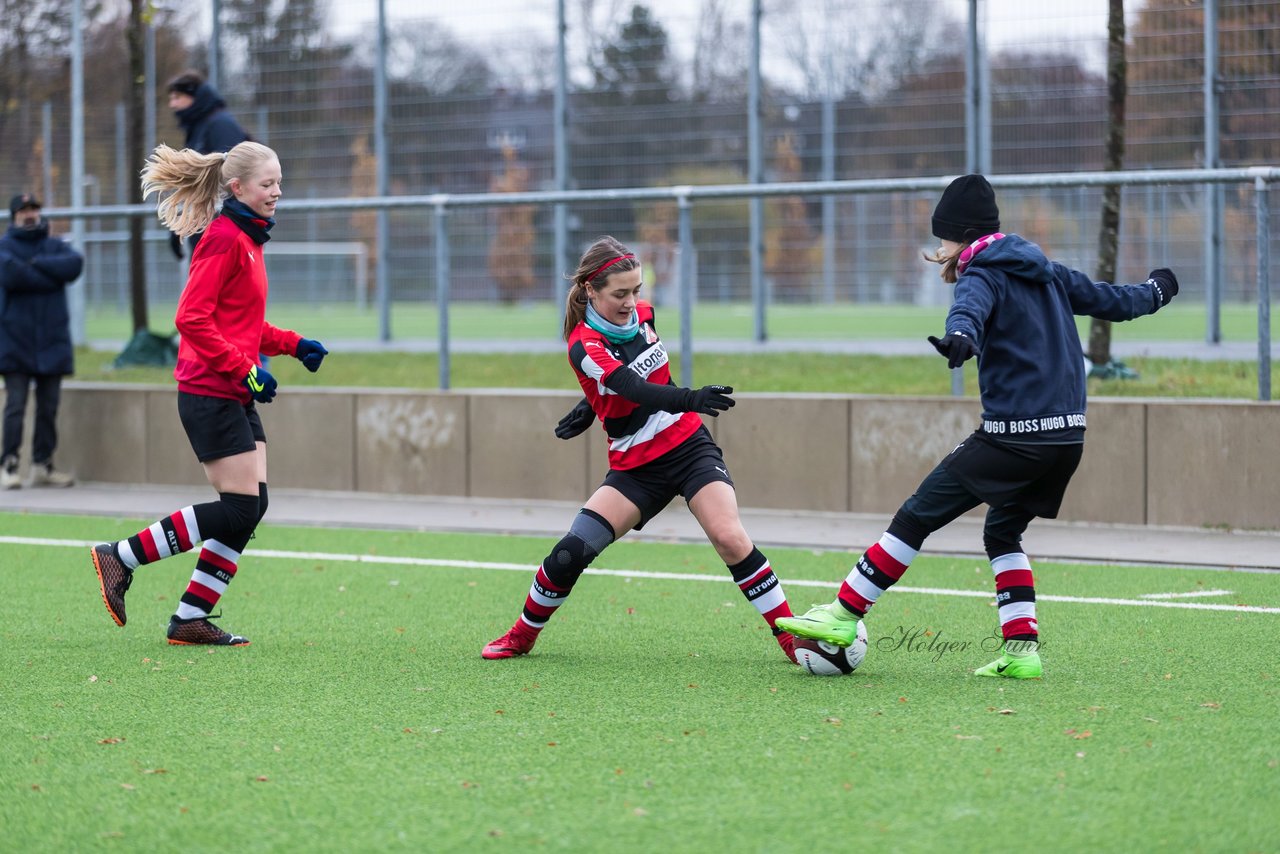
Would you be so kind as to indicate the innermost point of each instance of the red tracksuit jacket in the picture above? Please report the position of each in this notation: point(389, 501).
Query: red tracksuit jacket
point(222, 315)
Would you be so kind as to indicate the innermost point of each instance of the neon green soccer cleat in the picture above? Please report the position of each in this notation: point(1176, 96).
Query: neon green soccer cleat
point(821, 623)
point(1021, 667)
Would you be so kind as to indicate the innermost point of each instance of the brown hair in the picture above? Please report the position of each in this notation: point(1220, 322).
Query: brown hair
point(948, 262)
point(606, 252)
point(191, 184)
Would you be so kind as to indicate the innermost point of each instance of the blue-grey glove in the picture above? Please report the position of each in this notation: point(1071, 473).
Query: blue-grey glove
point(311, 354)
point(261, 385)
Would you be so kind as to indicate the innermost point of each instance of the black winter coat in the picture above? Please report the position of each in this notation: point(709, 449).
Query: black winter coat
point(208, 125)
point(35, 328)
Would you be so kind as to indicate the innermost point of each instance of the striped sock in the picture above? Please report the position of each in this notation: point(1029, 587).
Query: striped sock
point(543, 600)
point(215, 568)
point(758, 582)
point(1015, 596)
point(176, 533)
point(876, 571)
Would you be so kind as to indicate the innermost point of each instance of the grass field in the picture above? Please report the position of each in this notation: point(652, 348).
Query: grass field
point(1182, 321)
point(656, 714)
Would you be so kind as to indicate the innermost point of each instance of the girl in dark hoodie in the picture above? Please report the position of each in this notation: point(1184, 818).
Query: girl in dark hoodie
point(1015, 310)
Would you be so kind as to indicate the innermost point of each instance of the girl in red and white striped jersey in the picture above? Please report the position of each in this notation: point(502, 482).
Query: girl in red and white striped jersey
point(658, 448)
point(221, 316)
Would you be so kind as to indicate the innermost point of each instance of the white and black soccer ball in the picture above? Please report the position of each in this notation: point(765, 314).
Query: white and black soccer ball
point(826, 659)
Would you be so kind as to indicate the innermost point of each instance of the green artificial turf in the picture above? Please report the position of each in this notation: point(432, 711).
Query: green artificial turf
point(654, 714)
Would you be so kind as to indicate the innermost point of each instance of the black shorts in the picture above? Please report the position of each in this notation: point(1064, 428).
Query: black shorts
point(218, 427)
point(683, 470)
point(1034, 476)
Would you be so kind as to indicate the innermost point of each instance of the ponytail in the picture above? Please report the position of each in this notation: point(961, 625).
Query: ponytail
point(190, 184)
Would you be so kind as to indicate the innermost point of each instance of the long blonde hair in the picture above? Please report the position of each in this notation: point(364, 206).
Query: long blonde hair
point(605, 252)
point(191, 184)
point(949, 262)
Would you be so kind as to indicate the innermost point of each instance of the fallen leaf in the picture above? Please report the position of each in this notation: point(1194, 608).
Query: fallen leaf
point(969, 737)
point(262, 779)
point(833, 721)
point(155, 771)
point(112, 740)
point(127, 787)
point(93, 678)
point(1006, 712)
point(1085, 734)
point(1211, 705)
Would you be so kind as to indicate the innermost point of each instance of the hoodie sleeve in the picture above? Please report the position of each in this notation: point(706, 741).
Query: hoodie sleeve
point(1104, 301)
point(975, 297)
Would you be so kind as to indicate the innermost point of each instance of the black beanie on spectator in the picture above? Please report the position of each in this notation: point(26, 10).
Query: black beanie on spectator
point(966, 211)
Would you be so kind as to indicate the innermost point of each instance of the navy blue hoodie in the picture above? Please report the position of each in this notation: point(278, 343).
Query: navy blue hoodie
point(1019, 307)
point(209, 127)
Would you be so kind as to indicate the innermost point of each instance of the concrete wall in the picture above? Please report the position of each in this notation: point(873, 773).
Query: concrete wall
point(1160, 462)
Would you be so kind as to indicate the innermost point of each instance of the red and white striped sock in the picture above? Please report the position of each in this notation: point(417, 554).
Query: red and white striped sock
point(175, 533)
point(1015, 596)
point(876, 571)
point(215, 568)
point(543, 600)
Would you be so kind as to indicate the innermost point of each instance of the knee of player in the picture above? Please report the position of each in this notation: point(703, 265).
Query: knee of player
point(242, 510)
point(588, 536)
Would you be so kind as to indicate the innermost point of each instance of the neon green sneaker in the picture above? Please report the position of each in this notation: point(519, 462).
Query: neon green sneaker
point(822, 622)
point(1013, 667)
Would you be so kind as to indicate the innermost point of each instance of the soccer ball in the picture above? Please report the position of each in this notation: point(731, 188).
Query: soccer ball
point(826, 659)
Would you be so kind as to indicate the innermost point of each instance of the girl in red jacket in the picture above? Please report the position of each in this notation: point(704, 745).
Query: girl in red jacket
point(221, 318)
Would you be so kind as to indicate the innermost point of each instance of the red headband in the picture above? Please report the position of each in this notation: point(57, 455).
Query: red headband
point(606, 265)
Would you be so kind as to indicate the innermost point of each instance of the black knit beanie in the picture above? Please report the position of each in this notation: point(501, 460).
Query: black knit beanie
point(966, 211)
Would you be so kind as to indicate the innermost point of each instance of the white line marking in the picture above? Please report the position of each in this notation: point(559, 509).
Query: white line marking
point(675, 576)
point(1194, 594)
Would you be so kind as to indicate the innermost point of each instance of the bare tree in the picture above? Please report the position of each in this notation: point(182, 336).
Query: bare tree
point(719, 69)
point(837, 48)
point(1109, 230)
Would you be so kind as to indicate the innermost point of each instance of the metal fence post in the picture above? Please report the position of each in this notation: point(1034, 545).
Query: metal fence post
point(1262, 216)
point(442, 286)
point(685, 227)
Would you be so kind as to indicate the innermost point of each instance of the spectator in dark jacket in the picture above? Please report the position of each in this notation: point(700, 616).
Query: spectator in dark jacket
point(35, 336)
point(210, 128)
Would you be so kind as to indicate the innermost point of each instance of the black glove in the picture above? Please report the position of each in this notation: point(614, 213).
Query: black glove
point(710, 400)
point(310, 353)
point(261, 385)
point(576, 421)
point(1165, 283)
point(175, 244)
point(956, 346)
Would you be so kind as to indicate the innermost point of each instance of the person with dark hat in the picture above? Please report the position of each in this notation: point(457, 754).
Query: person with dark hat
point(1014, 310)
point(35, 337)
point(209, 127)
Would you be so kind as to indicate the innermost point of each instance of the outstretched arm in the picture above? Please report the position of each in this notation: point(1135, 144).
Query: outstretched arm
point(1118, 302)
point(708, 400)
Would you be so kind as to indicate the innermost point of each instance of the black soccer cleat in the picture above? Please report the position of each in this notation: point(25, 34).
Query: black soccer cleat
point(198, 631)
point(114, 579)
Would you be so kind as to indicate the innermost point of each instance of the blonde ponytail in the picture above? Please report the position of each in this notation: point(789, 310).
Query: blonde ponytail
point(190, 184)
